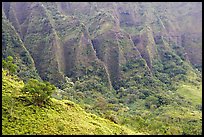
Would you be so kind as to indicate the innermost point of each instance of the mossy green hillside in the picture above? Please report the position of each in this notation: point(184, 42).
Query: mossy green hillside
point(59, 117)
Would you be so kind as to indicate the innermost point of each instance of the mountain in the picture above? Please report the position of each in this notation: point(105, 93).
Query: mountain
point(140, 61)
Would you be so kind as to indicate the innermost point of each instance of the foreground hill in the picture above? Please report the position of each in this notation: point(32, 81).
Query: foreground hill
point(60, 117)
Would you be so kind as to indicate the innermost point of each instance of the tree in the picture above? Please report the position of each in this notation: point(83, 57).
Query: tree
point(151, 101)
point(112, 116)
point(101, 103)
point(40, 92)
point(8, 64)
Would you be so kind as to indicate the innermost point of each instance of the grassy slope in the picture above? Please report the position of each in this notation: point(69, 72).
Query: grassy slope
point(181, 119)
point(60, 117)
point(191, 90)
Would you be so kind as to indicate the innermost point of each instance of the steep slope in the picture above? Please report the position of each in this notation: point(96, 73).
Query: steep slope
point(133, 62)
point(60, 117)
point(56, 51)
point(13, 46)
point(74, 39)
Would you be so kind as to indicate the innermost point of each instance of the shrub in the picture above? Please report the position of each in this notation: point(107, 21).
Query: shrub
point(40, 92)
point(150, 101)
point(101, 103)
point(145, 92)
point(8, 64)
point(112, 117)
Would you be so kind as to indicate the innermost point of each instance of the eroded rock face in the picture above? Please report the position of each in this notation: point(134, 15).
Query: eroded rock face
point(65, 38)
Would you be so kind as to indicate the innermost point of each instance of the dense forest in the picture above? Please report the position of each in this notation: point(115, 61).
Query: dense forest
point(102, 68)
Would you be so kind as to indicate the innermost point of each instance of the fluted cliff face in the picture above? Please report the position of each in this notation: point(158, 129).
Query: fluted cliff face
point(136, 64)
point(64, 38)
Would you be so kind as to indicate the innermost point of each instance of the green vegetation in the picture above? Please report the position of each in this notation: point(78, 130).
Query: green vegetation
point(57, 117)
point(9, 65)
point(145, 103)
point(13, 46)
point(40, 92)
point(130, 68)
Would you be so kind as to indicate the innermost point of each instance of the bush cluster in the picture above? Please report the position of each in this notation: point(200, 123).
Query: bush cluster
point(39, 92)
